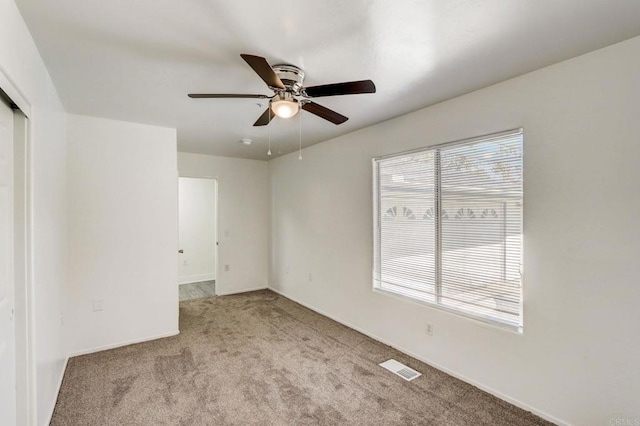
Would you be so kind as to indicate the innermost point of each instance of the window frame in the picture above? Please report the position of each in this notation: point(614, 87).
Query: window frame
point(377, 241)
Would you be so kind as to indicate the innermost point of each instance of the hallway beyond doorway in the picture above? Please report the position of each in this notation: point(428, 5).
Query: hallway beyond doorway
point(197, 290)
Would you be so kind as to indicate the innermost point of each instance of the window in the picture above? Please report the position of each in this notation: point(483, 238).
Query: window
point(448, 226)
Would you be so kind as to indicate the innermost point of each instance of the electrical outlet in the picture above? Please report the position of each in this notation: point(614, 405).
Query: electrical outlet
point(226, 232)
point(97, 305)
point(429, 329)
point(310, 277)
point(287, 269)
point(226, 268)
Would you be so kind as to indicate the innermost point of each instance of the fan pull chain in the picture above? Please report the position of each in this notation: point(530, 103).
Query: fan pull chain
point(300, 134)
point(269, 130)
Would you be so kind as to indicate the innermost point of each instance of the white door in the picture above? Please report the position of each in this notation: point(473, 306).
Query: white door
point(7, 328)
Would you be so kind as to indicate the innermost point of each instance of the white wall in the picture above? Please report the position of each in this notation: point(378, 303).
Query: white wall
point(123, 238)
point(243, 218)
point(197, 225)
point(20, 63)
point(577, 360)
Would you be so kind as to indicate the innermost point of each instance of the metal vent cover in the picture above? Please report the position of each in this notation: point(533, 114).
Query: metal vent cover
point(400, 369)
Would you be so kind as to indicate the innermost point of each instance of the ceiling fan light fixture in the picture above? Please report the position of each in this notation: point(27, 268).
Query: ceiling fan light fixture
point(285, 106)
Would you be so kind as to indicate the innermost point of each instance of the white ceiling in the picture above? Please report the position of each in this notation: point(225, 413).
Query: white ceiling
point(137, 60)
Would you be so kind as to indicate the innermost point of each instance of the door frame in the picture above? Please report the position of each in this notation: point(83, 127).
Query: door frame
point(216, 184)
point(23, 252)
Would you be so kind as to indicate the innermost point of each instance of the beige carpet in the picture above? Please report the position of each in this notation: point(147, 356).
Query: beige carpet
point(258, 358)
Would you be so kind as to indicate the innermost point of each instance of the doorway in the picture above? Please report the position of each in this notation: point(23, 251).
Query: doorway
point(198, 233)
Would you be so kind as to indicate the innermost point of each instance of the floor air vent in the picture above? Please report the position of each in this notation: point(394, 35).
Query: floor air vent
point(400, 369)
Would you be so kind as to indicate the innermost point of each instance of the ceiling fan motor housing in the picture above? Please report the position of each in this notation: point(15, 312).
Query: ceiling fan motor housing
point(291, 76)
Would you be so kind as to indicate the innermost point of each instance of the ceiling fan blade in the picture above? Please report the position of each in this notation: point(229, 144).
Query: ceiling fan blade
point(347, 88)
point(265, 118)
point(226, 95)
point(263, 69)
point(324, 112)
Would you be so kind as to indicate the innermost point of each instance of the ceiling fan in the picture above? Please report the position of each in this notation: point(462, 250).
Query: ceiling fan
point(290, 95)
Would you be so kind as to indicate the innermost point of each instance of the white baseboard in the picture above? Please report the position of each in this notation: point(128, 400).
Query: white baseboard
point(126, 343)
point(244, 290)
point(53, 405)
point(188, 279)
point(487, 389)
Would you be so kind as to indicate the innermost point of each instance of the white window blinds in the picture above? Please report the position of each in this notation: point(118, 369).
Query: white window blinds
point(448, 226)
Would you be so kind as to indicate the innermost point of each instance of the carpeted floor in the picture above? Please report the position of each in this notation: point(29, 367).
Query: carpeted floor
point(260, 359)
